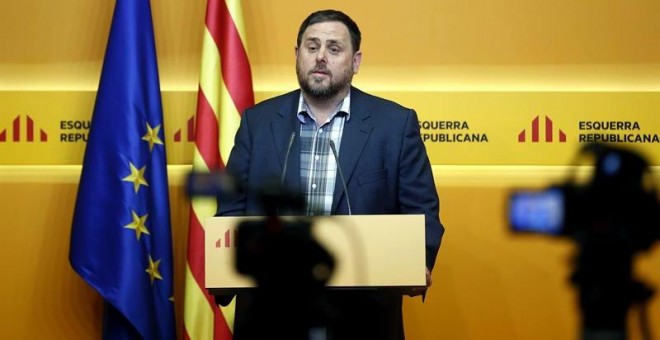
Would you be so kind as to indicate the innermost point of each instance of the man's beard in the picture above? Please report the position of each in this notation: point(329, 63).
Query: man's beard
point(318, 91)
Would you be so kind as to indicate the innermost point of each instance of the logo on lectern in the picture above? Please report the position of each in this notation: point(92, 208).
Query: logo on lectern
point(227, 240)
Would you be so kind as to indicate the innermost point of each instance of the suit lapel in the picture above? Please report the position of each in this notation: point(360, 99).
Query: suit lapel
point(283, 127)
point(354, 138)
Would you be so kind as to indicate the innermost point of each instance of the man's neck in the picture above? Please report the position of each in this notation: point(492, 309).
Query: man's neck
point(323, 108)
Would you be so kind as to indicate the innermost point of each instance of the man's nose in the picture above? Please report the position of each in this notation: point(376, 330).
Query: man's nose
point(321, 55)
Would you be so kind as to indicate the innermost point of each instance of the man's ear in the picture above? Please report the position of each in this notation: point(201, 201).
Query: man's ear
point(357, 59)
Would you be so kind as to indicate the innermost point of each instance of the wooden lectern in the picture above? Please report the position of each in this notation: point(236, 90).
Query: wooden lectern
point(370, 251)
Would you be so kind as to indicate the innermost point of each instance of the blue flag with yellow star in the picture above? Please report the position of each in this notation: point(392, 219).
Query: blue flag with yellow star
point(121, 239)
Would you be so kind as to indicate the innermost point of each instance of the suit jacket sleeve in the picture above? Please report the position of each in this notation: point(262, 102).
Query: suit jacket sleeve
point(234, 203)
point(417, 190)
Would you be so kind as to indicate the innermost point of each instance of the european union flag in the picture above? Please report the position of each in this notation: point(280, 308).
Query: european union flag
point(121, 241)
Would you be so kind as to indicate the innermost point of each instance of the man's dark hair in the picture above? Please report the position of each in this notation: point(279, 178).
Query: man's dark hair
point(332, 15)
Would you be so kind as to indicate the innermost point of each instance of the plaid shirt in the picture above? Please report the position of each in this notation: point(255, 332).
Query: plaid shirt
point(318, 168)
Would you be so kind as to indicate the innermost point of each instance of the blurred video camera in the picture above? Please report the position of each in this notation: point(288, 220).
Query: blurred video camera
point(278, 253)
point(619, 202)
point(611, 218)
point(281, 254)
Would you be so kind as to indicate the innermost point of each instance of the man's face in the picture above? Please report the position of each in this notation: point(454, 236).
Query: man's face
point(325, 60)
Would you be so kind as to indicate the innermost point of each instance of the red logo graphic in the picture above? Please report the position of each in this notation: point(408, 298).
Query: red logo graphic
point(549, 133)
point(227, 241)
point(190, 131)
point(29, 131)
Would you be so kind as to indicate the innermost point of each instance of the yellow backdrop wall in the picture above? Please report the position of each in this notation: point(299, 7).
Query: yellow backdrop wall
point(494, 64)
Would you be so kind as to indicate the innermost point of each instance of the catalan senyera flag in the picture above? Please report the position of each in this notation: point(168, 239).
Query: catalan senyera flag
point(121, 238)
point(225, 91)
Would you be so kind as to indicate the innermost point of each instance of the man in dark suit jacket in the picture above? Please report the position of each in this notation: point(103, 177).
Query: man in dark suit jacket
point(380, 153)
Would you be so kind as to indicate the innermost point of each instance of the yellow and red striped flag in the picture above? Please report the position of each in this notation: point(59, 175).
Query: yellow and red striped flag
point(225, 91)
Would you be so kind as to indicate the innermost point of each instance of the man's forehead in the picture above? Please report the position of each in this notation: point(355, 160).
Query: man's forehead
point(324, 30)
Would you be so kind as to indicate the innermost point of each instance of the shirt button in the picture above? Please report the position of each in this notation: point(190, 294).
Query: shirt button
point(313, 186)
point(320, 130)
point(316, 157)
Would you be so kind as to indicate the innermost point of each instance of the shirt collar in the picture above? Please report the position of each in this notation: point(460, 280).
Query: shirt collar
point(344, 106)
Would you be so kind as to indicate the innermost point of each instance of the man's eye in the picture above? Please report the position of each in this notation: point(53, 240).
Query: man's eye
point(334, 50)
point(312, 48)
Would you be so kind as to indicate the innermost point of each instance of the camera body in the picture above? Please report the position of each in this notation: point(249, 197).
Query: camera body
point(617, 203)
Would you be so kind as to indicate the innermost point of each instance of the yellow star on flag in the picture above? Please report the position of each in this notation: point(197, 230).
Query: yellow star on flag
point(153, 270)
point(137, 177)
point(152, 136)
point(138, 224)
